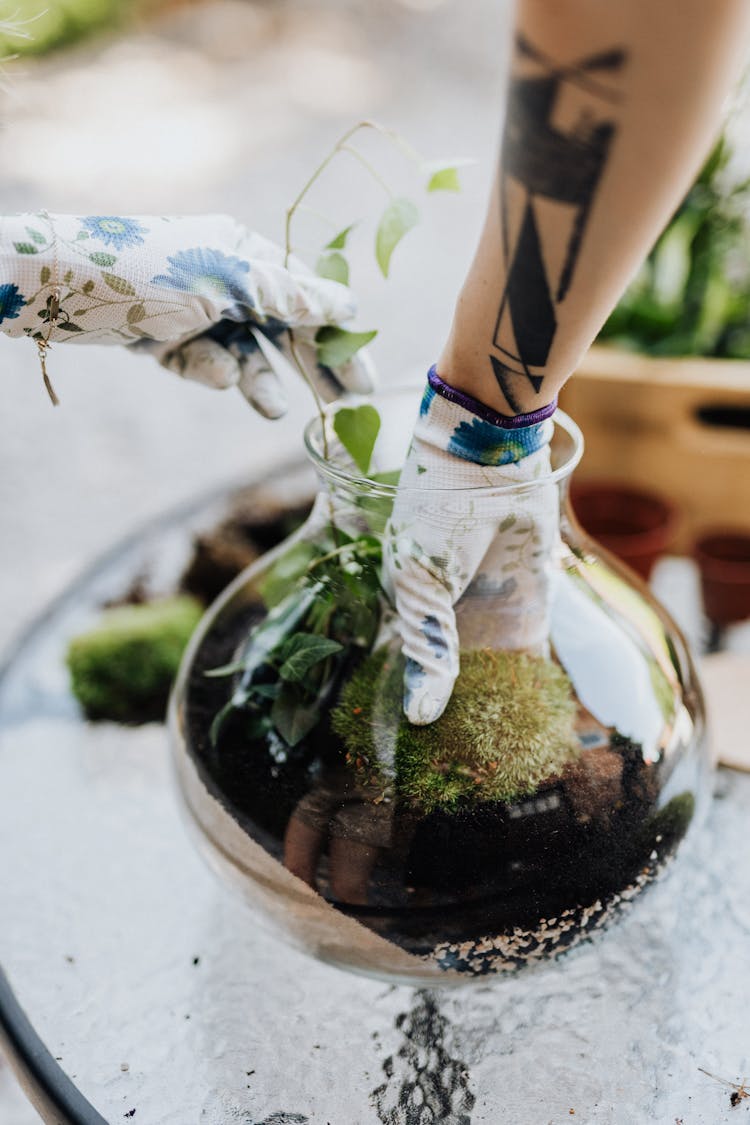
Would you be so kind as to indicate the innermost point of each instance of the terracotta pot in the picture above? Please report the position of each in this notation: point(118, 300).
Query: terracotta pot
point(724, 561)
point(635, 525)
point(678, 425)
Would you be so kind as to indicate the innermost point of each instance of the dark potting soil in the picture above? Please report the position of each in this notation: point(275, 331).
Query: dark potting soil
point(444, 881)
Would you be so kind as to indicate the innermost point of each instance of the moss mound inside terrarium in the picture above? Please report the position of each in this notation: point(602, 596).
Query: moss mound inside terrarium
point(509, 726)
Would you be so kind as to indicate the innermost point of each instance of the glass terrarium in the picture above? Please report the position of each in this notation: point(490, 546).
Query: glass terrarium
point(555, 787)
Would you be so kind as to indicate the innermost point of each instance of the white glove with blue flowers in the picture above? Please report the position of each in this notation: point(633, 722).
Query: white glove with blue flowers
point(195, 291)
point(473, 520)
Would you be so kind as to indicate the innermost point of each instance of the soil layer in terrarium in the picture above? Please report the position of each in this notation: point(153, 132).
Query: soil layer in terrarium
point(463, 884)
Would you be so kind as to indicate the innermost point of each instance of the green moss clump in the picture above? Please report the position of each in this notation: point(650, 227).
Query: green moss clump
point(123, 668)
point(508, 727)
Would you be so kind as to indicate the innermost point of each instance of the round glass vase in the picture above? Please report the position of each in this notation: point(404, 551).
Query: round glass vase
point(554, 789)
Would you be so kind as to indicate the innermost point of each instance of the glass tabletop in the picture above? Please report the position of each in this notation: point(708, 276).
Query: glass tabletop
point(152, 994)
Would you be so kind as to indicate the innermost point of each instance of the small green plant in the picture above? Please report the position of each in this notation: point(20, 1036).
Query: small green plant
point(123, 668)
point(508, 727)
point(324, 611)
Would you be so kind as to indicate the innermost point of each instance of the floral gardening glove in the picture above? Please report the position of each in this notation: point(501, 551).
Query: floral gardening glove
point(491, 548)
point(188, 290)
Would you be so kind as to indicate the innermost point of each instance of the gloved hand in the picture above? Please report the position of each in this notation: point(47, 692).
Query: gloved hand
point(493, 546)
point(188, 290)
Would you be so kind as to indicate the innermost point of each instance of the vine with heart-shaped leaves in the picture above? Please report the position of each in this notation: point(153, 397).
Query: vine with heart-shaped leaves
point(336, 345)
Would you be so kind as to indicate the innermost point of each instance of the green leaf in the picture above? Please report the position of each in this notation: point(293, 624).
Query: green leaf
point(68, 326)
point(390, 476)
point(333, 266)
point(136, 313)
point(36, 236)
point(119, 284)
point(304, 652)
point(335, 345)
point(88, 287)
point(82, 235)
point(266, 691)
point(507, 522)
point(339, 242)
point(257, 727)
point(286, 572)
point(446, 179)
point(218, 722)
point(280, 624)
point(224, 670)
point(443, 174)
point(292, 718)
point(44, 275)
point(99, 258)
point(398, 219)
point(357, 428)
point(25, 248)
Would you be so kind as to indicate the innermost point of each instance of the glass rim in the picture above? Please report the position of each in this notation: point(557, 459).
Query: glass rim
point(340, 475)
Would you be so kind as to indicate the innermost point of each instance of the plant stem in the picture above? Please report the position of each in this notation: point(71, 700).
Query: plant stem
point(343, 144)
point(318, 215)
point(400, 142)
point(321, 417)
point(292, 209)
point(290, 213)
point(366, 164)
point(334, 553)
point(313, 391)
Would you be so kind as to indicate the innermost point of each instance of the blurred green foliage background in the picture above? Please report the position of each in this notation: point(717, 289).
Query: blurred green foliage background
point(692, 294)
point(34, 27)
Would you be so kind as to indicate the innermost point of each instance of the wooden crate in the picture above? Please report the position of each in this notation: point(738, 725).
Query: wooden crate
point(680, 427)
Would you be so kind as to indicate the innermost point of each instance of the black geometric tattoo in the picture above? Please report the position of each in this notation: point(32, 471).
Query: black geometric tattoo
point(555, 146)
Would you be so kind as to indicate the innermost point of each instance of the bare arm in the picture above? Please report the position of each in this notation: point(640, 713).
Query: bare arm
point(612, 105)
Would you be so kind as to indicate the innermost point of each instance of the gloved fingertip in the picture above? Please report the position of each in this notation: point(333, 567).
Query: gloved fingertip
point(264, 392)
point(359, 375)
point(204, 361)
point(424, 699)
point(423, 708)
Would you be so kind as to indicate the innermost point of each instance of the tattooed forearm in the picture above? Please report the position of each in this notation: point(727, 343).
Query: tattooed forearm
point(561, 120)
